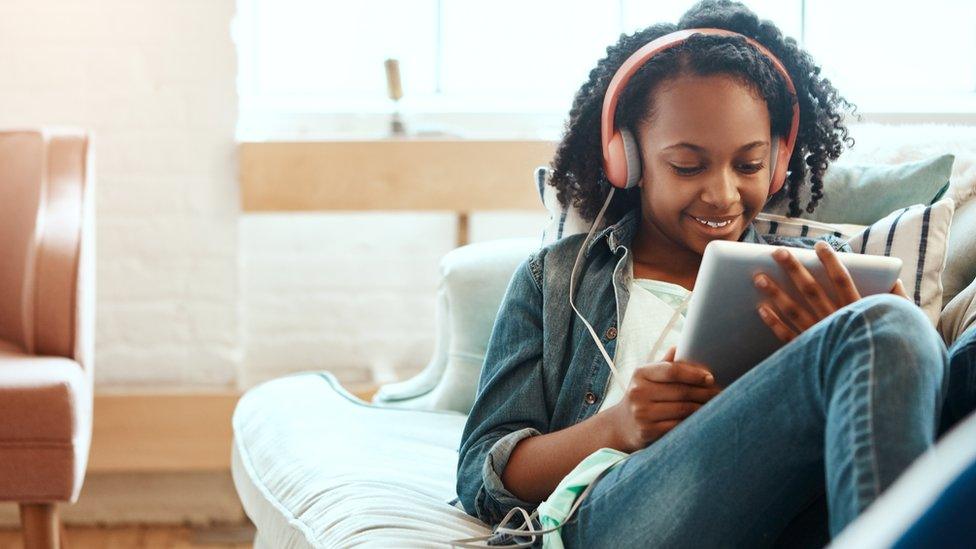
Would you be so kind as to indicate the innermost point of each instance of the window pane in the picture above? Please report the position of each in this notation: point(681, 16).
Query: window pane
point(876, 50)
point(337, 48)
point(459, 56)
point(526, 54)
point(638, 14)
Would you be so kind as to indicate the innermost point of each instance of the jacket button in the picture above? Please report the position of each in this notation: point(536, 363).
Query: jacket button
point(590, 398)
point(611, 332)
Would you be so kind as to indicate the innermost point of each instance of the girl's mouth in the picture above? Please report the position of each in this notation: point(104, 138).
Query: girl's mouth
point(713, 227)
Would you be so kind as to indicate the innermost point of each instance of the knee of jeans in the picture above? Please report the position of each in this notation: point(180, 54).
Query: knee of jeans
point(895, 309)
point(898, 322)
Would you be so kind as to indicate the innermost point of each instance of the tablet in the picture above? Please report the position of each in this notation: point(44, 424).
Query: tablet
point(722, 328)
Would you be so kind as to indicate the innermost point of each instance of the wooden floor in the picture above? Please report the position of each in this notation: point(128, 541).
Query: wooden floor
point(144, 537)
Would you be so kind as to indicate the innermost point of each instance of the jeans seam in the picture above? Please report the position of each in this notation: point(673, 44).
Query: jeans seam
point(874, 446)
point(871, 483)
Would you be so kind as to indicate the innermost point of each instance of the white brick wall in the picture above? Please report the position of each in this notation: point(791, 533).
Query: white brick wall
point(189, 291)
point(349, 293)
point(155, 82)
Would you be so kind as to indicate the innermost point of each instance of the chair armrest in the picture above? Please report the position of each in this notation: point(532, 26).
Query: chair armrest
point(64, 293)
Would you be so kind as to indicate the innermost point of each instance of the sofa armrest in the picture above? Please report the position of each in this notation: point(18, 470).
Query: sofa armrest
point(958, 315)
point(473, 282)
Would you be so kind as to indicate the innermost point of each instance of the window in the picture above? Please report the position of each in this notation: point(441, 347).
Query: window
point(897, 56)
point(307, 58)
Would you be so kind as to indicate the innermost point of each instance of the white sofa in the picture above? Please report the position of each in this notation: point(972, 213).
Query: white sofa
point(316, 467)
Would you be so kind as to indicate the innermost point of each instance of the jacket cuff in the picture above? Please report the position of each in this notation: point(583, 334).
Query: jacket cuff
point(495, 500)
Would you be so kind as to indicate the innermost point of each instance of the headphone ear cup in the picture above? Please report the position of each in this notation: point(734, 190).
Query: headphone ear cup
point(780, 165)
point(632, 153)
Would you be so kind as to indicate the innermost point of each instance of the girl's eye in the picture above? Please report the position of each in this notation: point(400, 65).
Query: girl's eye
point(682, 170)
point(752, 168)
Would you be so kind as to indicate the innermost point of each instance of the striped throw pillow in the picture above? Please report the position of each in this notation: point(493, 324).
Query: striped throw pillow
point(917, 234)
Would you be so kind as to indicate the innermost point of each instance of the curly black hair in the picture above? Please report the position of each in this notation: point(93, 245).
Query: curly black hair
point(577, 167)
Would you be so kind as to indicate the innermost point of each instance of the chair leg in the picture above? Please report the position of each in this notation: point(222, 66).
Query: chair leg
point(41, 524)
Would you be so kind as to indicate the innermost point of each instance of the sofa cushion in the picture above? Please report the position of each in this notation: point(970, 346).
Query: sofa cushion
point(959, 314)
point(316, 467)
point(898, 143)
point(864, 193)
point(961, 264)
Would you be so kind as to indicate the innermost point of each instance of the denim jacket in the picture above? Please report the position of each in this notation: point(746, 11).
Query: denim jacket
point(542, 371)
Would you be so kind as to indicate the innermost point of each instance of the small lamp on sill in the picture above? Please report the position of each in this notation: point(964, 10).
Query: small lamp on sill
point(395, 92)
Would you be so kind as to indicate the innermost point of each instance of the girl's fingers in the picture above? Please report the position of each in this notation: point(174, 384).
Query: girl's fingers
point(663, 411)
point(899, 289)
point(790, 310)
point(675, 372)
point(676, 392)
point(810, 290)
point(838, 274)
point(772, 319)
point(669, 356)
point(661, 428)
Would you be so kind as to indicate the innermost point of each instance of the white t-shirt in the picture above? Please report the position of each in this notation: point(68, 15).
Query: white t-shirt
point(651, 305)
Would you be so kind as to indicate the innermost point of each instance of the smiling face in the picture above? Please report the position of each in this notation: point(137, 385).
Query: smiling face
point(705, 155)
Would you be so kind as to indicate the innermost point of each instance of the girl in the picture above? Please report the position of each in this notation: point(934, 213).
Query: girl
point(834, 416)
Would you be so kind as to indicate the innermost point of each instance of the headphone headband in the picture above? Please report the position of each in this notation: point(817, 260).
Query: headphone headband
point(615, 157)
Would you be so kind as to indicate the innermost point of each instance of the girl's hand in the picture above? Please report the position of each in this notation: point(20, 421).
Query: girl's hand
point(659, 397)
point(787, 318)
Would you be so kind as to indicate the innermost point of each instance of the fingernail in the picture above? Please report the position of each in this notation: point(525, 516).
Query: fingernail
point(781, 253)
point(763, 312)
point(709, 378)
point(761, 281)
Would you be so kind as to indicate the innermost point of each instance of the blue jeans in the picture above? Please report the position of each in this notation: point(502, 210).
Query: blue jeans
point(842, 410)
point(961, 395)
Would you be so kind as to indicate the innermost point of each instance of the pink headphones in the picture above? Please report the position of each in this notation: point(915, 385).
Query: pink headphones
point(621, 157)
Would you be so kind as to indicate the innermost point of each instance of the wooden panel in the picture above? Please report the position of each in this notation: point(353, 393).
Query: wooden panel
point(145, 537)
point(391, 175)
point(159, 432)
point(162, 432)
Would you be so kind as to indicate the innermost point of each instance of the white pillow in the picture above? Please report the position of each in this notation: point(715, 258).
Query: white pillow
point(917, 234)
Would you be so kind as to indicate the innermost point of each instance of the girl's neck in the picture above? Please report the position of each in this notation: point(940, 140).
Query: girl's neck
point(658, 257)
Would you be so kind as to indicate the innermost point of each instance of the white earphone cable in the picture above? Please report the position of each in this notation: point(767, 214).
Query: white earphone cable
point(572, 289)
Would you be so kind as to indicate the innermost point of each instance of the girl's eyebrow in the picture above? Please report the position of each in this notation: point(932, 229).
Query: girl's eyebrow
point(699, 148)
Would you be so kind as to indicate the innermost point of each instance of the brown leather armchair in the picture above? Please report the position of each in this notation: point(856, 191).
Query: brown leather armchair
point(47, 291)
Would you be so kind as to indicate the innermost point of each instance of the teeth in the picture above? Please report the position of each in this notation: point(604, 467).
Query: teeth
point(713, 224)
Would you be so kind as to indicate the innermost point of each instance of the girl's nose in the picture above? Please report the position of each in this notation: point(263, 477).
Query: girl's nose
point(721, 192)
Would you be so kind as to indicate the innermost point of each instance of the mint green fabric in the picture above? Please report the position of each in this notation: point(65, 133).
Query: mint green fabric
point(554, 511)
point(672, 294)
point(863, 194)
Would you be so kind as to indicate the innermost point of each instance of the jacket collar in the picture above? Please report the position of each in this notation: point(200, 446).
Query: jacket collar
point(622, 233)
